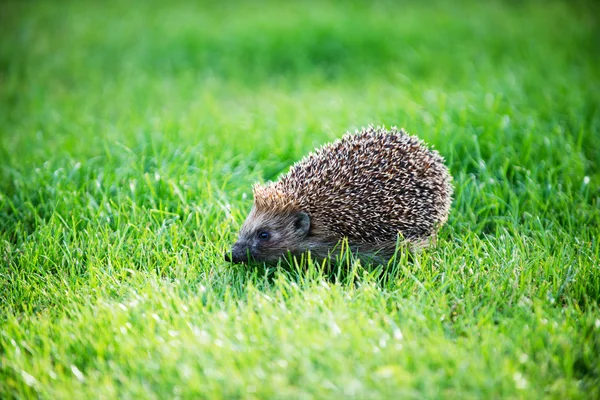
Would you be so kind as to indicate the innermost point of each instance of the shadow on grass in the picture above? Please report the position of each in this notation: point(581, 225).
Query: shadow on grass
point(342, 267)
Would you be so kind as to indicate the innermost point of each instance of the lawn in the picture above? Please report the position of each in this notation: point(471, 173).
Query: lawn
point(131, 134)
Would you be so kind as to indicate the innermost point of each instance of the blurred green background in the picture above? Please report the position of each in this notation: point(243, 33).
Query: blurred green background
point(130, 136)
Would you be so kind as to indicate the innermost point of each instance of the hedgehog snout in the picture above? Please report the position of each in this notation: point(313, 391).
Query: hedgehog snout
point(238, 254)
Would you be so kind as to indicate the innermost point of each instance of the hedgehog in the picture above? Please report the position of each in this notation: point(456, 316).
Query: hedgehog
point(372, 189)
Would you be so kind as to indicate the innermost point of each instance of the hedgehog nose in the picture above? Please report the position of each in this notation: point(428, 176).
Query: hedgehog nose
point(237, 255)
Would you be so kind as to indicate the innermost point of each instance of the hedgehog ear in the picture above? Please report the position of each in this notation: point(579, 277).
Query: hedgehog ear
point(302, 223)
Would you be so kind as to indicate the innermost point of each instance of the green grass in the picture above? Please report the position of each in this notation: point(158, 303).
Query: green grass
point(130, 136)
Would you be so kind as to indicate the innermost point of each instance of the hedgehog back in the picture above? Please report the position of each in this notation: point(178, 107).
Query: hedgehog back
point(370, 185)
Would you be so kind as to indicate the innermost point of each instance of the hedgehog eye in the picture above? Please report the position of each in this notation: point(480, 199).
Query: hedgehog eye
point(264, 235)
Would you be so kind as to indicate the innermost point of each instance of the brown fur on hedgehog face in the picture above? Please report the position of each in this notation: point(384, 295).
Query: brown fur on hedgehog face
point(266, 237)
point(277, 227)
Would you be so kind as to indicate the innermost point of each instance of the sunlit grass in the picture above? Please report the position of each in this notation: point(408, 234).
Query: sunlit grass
point(131, 135)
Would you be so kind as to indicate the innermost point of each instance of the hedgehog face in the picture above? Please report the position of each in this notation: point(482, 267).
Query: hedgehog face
point(266, 237)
